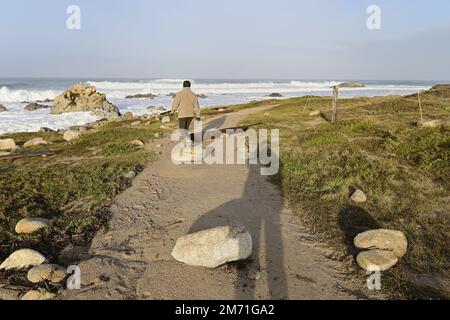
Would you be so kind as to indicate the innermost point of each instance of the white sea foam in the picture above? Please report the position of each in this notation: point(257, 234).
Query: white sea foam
point(9, 95)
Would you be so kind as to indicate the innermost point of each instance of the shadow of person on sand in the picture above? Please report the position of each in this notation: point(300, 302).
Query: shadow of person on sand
point(261, 217)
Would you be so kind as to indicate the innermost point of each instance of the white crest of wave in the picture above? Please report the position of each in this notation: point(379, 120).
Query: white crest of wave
point(8, 95)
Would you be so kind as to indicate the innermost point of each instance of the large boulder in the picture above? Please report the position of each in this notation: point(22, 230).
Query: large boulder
point(376, 260)
point(7, 144)
point(46, 272)
point(2, 108)
point(35, 142)
point(81, 98)
point(214, 247)
point(391, 240)
point(30, 225)
point(21, 259)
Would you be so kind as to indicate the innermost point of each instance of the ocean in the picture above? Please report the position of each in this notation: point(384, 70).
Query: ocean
point(16, 93)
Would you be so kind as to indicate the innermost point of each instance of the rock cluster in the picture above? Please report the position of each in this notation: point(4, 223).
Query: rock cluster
point(81, 98)
point(384, 248)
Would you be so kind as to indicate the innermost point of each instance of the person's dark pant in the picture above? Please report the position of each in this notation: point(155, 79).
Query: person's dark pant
point(184, 123)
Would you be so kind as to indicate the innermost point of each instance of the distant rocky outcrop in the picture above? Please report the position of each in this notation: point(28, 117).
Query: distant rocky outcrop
point(81, 98)
point(441, 87)
point(142, 96)
point(2, 108)
point(351, 85)
point(275, 95)
point(36, 106)
point(202, 96)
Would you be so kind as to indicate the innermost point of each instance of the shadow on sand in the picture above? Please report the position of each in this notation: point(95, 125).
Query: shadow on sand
point(261, 218)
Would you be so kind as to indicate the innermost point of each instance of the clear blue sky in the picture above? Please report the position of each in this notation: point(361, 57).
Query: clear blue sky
point(302, 39)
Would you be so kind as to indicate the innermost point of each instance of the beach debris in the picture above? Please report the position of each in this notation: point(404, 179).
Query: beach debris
point(359, 196)
point(21, 259)
point(38, 295)
point(36, 106)
point(35, 142)
point(137, 143)
point(80, 98)
point(46, 272)
point(376, 260)
point(2, 108)
point(30, 225)
point(7, 144)
point(214, 247)
point(390, 240)
point(71, 135)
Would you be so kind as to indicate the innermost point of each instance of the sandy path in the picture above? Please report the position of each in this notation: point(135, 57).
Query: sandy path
point(131, 260)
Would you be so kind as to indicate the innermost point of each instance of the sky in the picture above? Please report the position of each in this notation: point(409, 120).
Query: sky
point(233, 39)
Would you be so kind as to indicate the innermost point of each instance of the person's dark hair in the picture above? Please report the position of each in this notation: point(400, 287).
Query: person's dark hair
point(186, 84)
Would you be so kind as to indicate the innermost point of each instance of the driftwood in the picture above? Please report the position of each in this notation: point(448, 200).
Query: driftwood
point(28, 155)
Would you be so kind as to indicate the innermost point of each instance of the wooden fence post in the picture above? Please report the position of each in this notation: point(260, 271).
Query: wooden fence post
point(420, 107)
point(334, 104)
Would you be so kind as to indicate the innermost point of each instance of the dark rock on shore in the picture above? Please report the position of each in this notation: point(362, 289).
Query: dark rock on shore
point(275, 95)
point(45, 101)
point(142, 96)
point(2, 108)
point(80, 98)
point(36, 106)
point(172, 94)
point(351, 85)
point(202, 96)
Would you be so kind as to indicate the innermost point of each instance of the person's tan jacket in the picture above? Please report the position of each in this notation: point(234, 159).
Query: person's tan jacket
point(186, 102)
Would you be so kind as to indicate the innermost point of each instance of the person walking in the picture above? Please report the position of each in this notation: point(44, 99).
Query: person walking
point(186, 103)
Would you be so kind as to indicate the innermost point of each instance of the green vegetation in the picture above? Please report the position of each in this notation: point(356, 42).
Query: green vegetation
point(73, 188)
point(375, 146)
